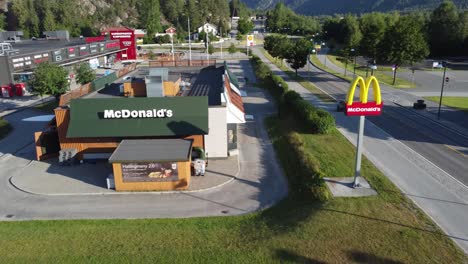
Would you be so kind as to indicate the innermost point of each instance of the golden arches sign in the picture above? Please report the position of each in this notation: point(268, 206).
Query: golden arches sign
point(363, 107)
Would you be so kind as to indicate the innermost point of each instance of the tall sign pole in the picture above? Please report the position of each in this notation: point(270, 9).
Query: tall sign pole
point(363, 109)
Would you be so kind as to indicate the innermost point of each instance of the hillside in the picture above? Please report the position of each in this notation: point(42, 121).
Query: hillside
point(320, 7)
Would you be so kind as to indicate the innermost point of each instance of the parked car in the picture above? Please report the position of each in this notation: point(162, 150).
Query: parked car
point(341, 106)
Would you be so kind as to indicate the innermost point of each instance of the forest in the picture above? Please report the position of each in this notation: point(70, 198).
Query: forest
point(87, 18)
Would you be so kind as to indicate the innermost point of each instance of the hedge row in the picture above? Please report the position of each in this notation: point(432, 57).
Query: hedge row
point(318, 120)
point(308, 177)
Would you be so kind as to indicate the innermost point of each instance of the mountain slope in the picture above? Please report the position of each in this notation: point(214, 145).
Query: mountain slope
point(320, 7)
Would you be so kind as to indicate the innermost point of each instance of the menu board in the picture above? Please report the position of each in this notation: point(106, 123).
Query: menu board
point(150, 172)
point(84, 50)
point(93, 48)
point(58, 56)
point(72, 52)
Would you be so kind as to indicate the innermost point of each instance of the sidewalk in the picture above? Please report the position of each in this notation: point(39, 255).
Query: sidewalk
point(50, 178)
point(434, 191)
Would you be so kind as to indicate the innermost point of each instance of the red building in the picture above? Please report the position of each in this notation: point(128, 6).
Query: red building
point(127, 40)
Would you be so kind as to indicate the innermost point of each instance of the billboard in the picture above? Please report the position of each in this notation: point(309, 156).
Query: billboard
point(127, 41)
point(150, 172)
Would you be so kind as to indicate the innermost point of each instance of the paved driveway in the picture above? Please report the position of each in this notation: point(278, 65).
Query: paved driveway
point(260, 182)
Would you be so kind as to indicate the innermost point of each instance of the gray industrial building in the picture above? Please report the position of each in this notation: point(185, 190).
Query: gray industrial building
point(19, 59)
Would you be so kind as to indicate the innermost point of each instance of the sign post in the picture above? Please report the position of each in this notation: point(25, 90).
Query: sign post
point(250, 42)
point(362, 109)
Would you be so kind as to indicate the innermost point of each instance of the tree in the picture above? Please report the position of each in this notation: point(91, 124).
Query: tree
point(278, 46)
point(445, 34)
point(84, 73)
point(245, 25)
point(297, 56)
point(211, 49)
point(49, 79)
point(49, 20)
point(373, 28)
point(350, 31)
point(232, 49)
point(403, 43)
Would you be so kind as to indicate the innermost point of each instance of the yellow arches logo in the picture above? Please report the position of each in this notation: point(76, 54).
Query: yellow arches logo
point(363, 107)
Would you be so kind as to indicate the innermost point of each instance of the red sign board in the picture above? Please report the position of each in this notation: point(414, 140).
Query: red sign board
point(112, 45)
point(95, 39)
point(364, 109)
point(127, 41)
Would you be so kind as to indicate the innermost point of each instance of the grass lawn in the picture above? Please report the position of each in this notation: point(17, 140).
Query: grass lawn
point(47, 106)
point(452, 101)
point(383, 77)
point(5, 128)
point(377, 229)
point(306, 84)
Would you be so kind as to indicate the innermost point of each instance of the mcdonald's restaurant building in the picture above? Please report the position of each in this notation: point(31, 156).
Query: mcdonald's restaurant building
point(150, 140)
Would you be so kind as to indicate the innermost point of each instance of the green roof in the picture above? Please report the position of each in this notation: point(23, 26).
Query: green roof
point(157, 116)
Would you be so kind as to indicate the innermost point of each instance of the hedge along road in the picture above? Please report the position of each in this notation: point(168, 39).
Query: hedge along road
point(260, 182)
point(440, 195)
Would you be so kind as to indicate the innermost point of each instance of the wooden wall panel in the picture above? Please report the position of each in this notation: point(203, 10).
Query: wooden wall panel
point(198, 140)
point(135, 89)
point(181, 184)
point(171, 88)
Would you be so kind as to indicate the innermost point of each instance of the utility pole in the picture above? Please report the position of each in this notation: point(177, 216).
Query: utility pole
point(442, 90)
point(172, 47)
point(206, 39)
point(189, 42)
point(222, 40)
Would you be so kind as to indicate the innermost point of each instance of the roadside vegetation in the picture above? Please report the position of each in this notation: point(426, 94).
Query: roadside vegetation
point(451, 101)
point(306, 84)
point(398, 39)
point(5, 128)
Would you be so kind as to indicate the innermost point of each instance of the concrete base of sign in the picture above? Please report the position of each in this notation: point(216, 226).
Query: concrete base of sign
point(343, 187)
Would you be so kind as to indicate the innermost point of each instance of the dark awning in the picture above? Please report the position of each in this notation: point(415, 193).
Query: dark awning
point(151, 150)
point(136, 117)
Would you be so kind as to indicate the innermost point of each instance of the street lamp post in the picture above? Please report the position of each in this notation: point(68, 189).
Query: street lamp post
point(354, 67)
point(189, 42)
point(325, 56)
point(346, 63)
point(442, 89)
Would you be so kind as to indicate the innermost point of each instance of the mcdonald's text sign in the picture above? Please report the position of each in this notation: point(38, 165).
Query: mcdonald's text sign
point(363, 107)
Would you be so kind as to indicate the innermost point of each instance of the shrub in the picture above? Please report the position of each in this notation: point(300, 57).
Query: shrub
point(323, 121)
point(308, 177)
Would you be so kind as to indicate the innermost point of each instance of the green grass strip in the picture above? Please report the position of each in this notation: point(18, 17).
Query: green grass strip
point(383, 77)
point(451, 101)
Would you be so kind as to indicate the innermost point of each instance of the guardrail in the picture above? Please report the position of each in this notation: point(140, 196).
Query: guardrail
point(181, 63)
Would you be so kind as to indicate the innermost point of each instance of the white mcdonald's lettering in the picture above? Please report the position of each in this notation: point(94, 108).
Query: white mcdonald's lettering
point(125, 113)
point(364, 109)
